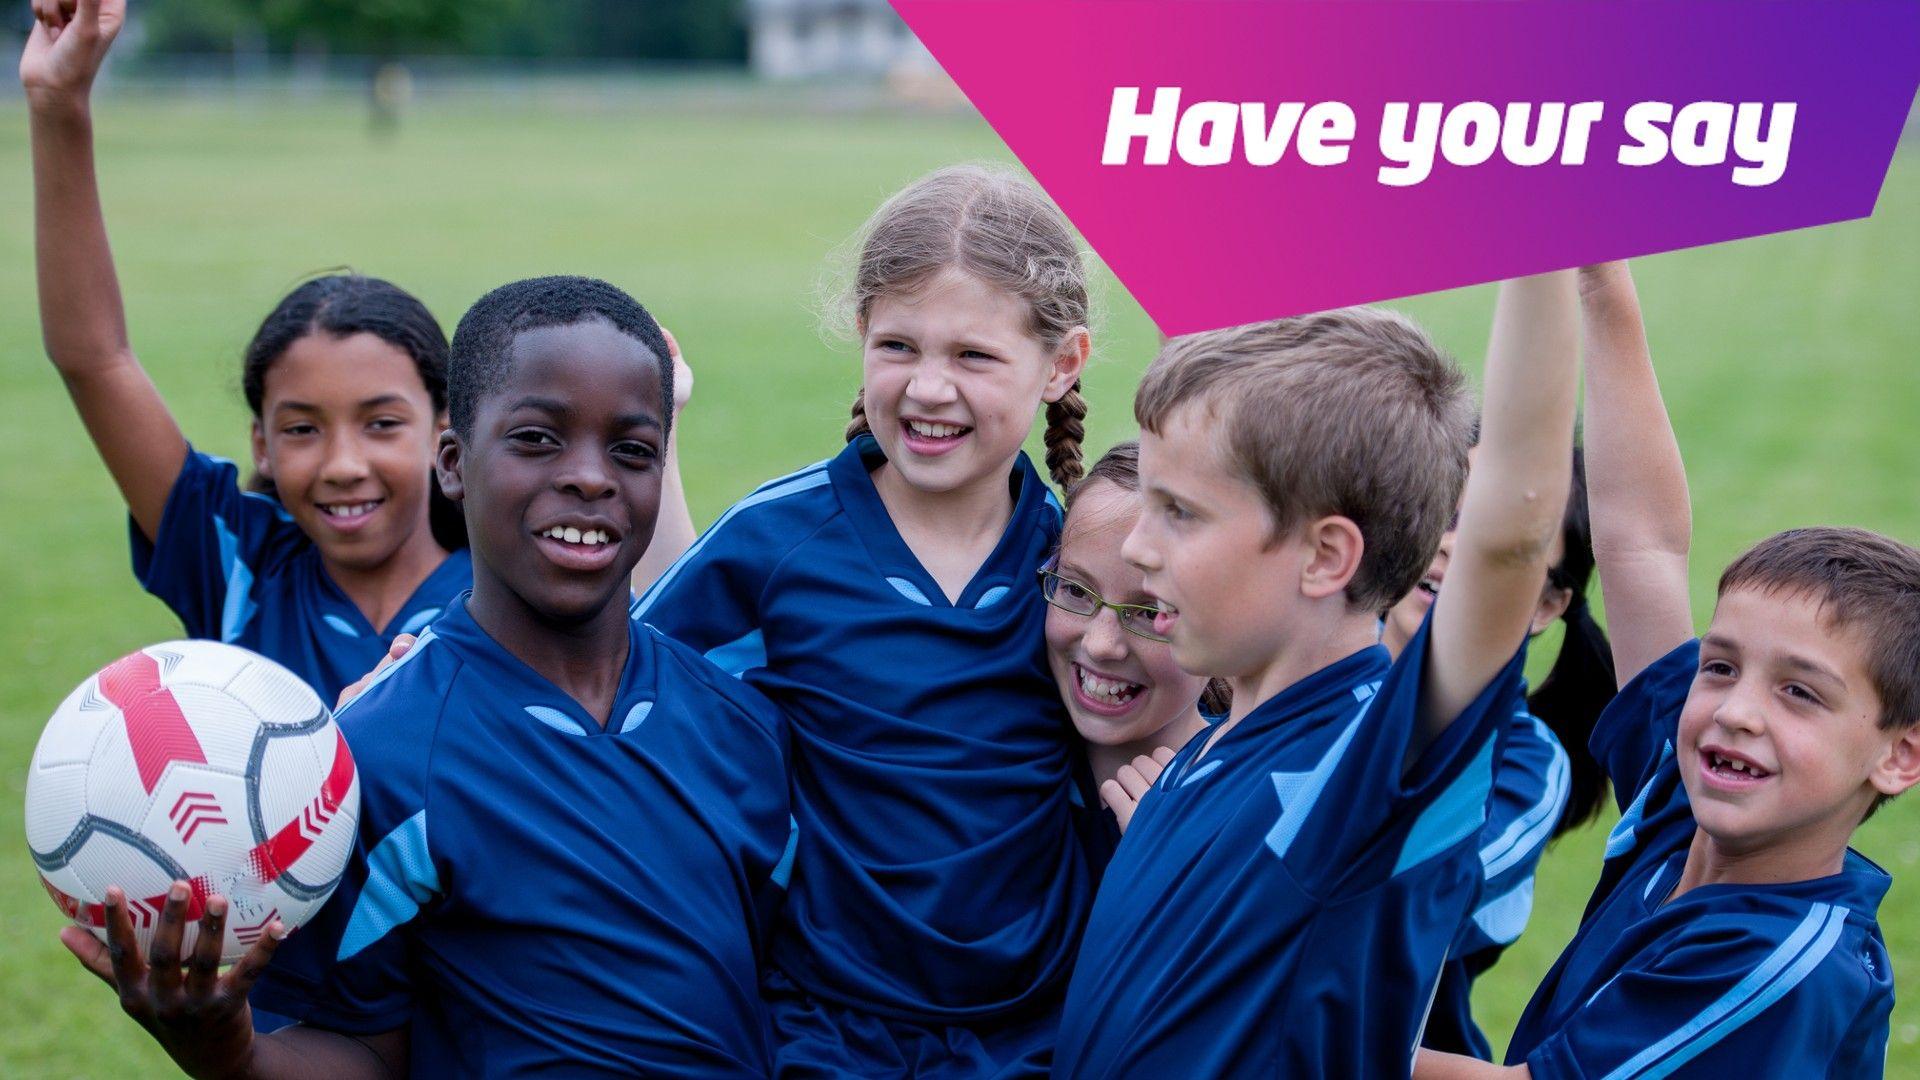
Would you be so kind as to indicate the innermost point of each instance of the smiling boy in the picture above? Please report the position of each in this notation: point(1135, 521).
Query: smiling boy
point(568, 823)
point(1288, 889)
point(1733, 930)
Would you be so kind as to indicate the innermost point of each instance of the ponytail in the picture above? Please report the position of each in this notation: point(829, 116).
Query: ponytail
point(1581, 683)
point(1064, 432)
point(1570, 700)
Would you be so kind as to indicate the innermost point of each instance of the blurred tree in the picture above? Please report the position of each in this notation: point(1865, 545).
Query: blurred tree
point(694, 30)
point(683, 30)
point(198, 26)
point(381, 27)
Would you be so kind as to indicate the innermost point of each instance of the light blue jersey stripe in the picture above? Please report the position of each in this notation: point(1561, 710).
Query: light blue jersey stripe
point(1504, 917)
point(1620, 840)
point(1530, 831)
point(420, 644)
point(806, 479)
point(1298, 791)
point(237, 607)
point(741, 655)
point(1785, 968)
point(400, 878)
point(1454, 815)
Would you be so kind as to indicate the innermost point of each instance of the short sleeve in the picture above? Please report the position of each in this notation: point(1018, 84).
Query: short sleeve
point(1723, 1001)
point(214, 540)
point(1378, 818)
point(1630, 736)
point(709, 598)
point(1531, 783)
point(348, 969)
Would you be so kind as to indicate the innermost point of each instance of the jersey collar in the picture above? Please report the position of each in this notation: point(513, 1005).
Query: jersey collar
point(454, 574)
point(506, 676)
point(1345, 682)
point(851, 472)
point(1859, 886)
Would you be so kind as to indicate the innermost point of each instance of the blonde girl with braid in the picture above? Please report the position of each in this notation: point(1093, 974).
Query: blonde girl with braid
point(937, 882)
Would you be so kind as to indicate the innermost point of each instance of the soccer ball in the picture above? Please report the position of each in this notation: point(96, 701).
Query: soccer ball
point(192, 761)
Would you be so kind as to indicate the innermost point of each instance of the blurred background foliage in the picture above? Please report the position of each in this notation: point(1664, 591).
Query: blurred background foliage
point(673, 30)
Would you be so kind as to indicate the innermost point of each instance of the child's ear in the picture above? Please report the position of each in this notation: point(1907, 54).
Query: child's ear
point(262, 465)
point(1069, 360)
point(1333, 547)
point(1899, 768)
point(1554, 602)
point(446, 466)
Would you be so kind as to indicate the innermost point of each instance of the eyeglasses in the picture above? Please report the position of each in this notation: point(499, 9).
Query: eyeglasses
point(1070, 596)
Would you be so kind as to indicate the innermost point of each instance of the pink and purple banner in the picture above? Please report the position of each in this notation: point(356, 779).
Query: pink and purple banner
point(1234, 160)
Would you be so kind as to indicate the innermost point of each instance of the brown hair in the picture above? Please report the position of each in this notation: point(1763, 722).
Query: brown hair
point(1352, 412)
point(1862, 581)
point(996, 225)
point(1120, 467)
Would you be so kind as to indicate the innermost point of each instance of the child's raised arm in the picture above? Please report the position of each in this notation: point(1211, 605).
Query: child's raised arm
point(1516, 495)
point(1636, 484)
point(81, 318)
point(673, 531)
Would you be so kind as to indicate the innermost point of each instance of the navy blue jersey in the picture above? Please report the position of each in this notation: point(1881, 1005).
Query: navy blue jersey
point(533, 892)
point(235, 568)
point(1282, 904)
point(1724, 980)
point(1530, 788)
point(936, 873)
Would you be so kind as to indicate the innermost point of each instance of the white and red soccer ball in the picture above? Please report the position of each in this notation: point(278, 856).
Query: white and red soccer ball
point(192, 761)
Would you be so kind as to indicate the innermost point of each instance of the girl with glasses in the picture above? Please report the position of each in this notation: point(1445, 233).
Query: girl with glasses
point(1128, 699)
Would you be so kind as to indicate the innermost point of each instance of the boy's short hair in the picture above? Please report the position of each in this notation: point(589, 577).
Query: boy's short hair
point(1863, 582)
point(483, 342)
point(1352, 412)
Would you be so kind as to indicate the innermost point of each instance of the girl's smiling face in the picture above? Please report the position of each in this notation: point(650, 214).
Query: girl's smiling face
point(953, 377)
point(1118, 687)
point(560, 476)
point(346, 434)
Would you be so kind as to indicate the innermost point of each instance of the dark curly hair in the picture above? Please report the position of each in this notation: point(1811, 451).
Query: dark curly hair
point(483, 342)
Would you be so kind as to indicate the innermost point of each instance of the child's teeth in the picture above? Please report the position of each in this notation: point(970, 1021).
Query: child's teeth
point(578, 536)
point(1106, 689)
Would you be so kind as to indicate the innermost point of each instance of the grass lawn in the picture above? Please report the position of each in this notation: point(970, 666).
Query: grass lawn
point(1789, 363)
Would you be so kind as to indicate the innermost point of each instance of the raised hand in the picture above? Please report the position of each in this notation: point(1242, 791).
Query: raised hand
point(198, 1015)
point(69, 40)
point(682, 374)
point(1123, 793)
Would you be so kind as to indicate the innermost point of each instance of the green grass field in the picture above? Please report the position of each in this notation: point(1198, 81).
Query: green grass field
point(1789, 364)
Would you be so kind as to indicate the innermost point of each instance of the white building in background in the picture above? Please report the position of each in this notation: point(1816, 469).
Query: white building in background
point(804, 39)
